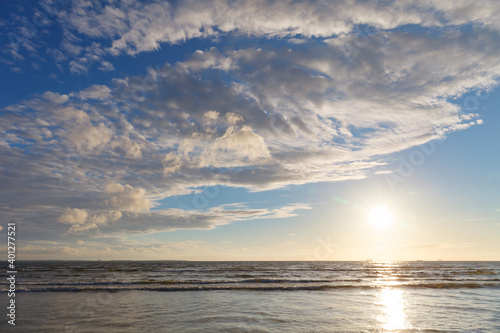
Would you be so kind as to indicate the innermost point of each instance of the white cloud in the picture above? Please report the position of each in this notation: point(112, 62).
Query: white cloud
point(77, 67)
point(106, 66)
point(87, 138)
point(96, 221)
point(103, 219)
point(242, 142)
point(210, 59)
point(55, 97)
point(126, 198)
point(233, 118)
point(74, 216)
point(80, 221)
point(210, 117)
point(143, 27)
point(289, 211)
point(110, 29)
point(124, 146)
point(96, 91)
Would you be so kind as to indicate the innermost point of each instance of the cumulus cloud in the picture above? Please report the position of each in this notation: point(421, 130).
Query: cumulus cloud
point(74, 216)
point(125, 146)
point(233, 118)
point(242, 141)
point(80, 220)
point(96, 221)
point(96, 91)
point(125, 197)
point(210, 116)
point(87, 137)
point(55, 97)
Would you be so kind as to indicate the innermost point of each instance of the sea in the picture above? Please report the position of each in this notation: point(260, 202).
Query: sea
point(303, 296)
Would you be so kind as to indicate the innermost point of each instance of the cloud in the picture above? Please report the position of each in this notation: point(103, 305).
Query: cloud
point(131, 221)
point(175, 218)
point(80, 221)
point(143, 27)
point(44, 252)
point(210, 117)
point(92, 32)
point(125, 197)
point(74, 216)
point(233, 118)
point(126, 147)
point(96, 91)
point(289, 211)
point(242, 141)
point(87, 137)
point(109, 249)
point(76, 67)
point(55, 97)
point(106, 66)
point(96, 221)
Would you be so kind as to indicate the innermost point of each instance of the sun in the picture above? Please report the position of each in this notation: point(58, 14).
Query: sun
point(380, 216)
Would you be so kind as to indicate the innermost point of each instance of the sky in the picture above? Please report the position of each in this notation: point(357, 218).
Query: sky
point(250, 130)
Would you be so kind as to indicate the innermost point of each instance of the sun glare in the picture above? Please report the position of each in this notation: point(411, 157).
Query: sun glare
point(380, 216)
point(394, 317)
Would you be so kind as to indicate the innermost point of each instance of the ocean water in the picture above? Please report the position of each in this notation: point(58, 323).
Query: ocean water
point(184, 296)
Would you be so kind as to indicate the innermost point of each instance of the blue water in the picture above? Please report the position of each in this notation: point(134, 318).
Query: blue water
point(145, 296)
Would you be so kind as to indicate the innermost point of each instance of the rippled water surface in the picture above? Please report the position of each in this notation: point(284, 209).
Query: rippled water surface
point(132, 296)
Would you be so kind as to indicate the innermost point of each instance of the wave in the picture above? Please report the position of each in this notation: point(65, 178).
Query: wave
point(204, 282)
point(251, 286)
point(286, 276)
point(340, 282)
point(365, 272)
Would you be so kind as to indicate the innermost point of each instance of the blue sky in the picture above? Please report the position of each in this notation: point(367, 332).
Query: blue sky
point(251, 130)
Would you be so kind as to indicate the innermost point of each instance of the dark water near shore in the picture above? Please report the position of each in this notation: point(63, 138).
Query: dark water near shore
point(161, 296)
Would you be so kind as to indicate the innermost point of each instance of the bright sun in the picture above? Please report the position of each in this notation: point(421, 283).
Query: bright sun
point(380, 216)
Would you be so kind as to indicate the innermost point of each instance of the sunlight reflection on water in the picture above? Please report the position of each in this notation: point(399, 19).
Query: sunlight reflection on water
point(394, 316)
